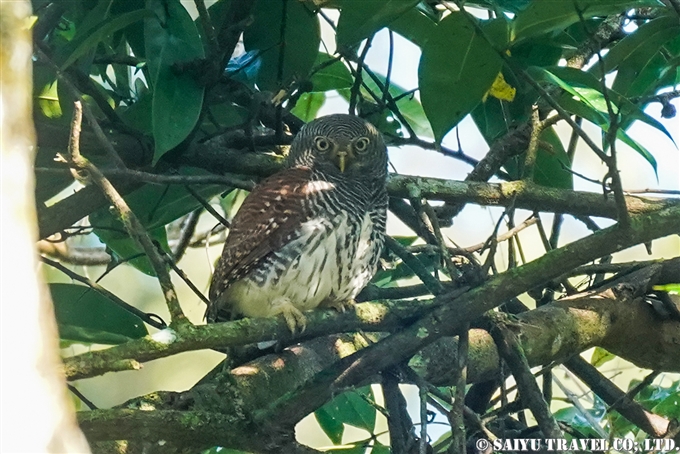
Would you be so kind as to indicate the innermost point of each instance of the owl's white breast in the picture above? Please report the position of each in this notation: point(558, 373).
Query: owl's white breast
point(309, 271)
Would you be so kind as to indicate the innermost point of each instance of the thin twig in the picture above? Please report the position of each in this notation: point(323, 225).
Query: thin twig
point(574, 400)
point(653, 191)
point(208, 29)
point(356, 87)
point(532, 149)
point(171, 263)
point(556, 227)
point(154, 178)
point(417, 141)
point(441, 244)
point(510, 349)
point(611, 162)
point(186, 233)
point(76, 392)
point(433, 285)
point(104, 292)
point(65, 253)
point(458, 408)
point(390, 61)
point(422, 445)
point(208, 207)
point(129, 220)
point(91, 119)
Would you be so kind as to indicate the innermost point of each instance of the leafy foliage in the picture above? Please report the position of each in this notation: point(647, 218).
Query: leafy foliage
point(85, 316)
point(184, 95)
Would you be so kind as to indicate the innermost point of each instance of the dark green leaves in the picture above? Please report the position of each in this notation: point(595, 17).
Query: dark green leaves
point(103, 31)
point(300, 45)
point(545, 16)
point(155, 206)
point(643, 43)
point(83, 315)
point(641, 57)
point(584, 98)
point(170, 39)
point(414, 26)
point(359, 20)
point(552, 164)
point(308, 106)
point(351, 408)
point(333, 74)
point(457, 68)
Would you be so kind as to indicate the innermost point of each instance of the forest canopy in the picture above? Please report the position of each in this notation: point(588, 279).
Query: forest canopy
point(155, 118)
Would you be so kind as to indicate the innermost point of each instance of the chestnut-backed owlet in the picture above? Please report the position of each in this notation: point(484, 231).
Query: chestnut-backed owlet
point(311, 235)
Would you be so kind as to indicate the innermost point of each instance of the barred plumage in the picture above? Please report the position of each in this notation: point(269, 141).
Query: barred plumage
point(310, 235)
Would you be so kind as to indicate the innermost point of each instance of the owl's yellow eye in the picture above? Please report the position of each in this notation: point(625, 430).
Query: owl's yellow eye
point(322, 144)
point(361, 144)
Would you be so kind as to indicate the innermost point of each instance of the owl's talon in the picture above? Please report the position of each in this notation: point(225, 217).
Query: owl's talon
point(295, 319)
point(341, 306)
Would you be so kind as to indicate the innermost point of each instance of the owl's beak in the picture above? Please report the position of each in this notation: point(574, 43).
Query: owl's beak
point(342, 160)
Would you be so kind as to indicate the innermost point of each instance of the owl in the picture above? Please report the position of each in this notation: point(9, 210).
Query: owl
point(310, 235)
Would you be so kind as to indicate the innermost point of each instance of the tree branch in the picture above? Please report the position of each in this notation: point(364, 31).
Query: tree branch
point(522, 194)
point(454, 310)
point(577, 323)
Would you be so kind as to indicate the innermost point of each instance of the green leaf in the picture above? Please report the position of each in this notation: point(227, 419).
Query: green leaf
point(352, 448)
point(331, 426)
point(572, 77)
point(172, 38)
point(379, 448)
point(226, 115)
point(336, 76)
point(301, 40)
point(408, 105)
point(139, 115)
point(642, 43)
point(574, 419)
point(349, 408)
point(601, 356)
point(83, 315)
point(593, 107)
point(359, 20)
point(544, 16)
point(103, 31)
point(653, 395)
point(675, 288)
point(414, 26)
point(307, 107)
point(552, 166)
point(642, 71)
point(670, 406)
point(457, 67)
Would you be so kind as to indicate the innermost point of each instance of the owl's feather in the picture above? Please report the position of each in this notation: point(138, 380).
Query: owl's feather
point(267, 219)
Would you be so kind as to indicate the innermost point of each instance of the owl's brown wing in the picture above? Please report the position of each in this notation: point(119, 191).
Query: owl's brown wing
point(268, 219)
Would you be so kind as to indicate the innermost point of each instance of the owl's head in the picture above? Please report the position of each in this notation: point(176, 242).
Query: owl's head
point(340, 146)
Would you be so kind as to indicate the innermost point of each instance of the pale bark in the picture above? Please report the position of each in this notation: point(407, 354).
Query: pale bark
point(36, 413)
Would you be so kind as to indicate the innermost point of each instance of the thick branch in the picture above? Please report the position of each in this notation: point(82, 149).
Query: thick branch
point(377, 318)
point(448, 318)
point(196, 428)
point(549, 334)
point(518, 193)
